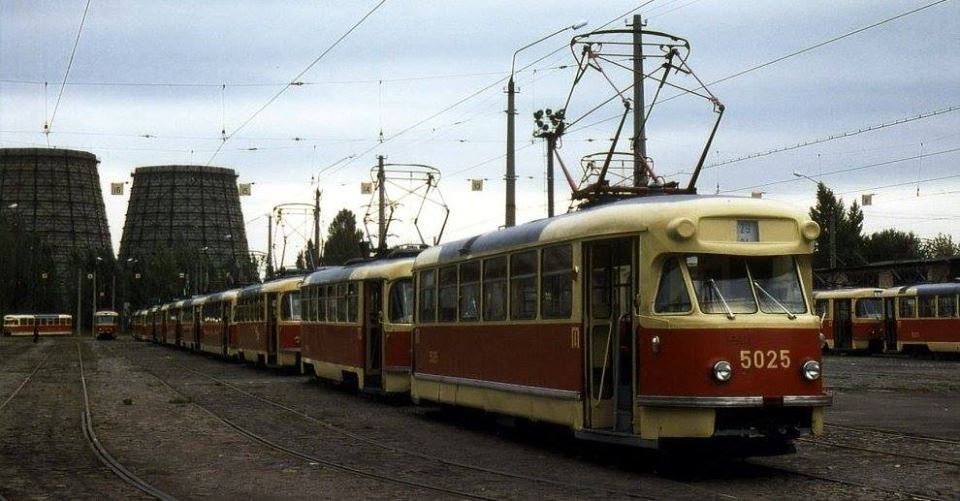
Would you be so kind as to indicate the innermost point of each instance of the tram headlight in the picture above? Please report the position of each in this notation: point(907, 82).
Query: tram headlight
point(722, 371)
point(811, 370)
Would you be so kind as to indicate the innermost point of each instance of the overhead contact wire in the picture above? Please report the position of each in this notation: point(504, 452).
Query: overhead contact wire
point(66, 75)
point(295, 79)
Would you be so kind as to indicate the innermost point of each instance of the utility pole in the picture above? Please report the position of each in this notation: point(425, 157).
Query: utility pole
point(639, 132)
point(833, 241)
point(316, 229)
point(79, 296)
point(269, 245)
point(511, 176)
point(551, 148)
point(93, 314)
point(381, 208)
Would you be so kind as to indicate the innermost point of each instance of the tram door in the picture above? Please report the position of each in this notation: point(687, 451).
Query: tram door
point(610, 361)
point(372, 307)
point(224, 312)
point(890, 323)
point(842, 325)
point(273, 333)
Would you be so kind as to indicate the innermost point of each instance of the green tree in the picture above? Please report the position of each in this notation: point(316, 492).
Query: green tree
point(892, 245)
point(344, 240)
point(839, 226)
point(940, 246)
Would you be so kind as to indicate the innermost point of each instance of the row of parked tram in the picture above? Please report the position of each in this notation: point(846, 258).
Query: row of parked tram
point(917, 318)
point(105, 324)
point(643, 321)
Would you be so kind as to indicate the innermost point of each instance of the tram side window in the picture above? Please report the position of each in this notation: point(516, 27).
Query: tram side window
point(447, 295)
point(325, 301)
point(401, 302)
point(291, 306)
point(341, 299)
point(470, 291)
point(352, 302)
point(870, 308)
point(427, 305)
point(946, 306)
point(495, 289)
point(556, 282)
point(823, 308)
point(926, 306)
point(908, 307)
point(672, 297)
point(523, 285)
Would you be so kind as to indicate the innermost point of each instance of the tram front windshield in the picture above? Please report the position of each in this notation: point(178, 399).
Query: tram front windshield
point(105, 319)
point(741, 285)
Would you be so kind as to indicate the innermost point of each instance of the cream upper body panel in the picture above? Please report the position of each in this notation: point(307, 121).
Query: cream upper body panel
point(675, 223)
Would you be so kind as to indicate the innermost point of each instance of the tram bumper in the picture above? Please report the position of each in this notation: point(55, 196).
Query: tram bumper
point(764, 418)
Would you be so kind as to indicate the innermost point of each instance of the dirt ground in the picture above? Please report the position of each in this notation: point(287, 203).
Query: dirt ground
point(197, 427)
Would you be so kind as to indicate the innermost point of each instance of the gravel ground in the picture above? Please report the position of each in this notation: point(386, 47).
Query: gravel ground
point(161, 413)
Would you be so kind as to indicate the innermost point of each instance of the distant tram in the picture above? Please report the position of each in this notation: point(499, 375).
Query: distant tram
point(46, 325)
point(267, 323)
point(106, 324)
point(923, 318)
point(358, 323)
point(852, 319)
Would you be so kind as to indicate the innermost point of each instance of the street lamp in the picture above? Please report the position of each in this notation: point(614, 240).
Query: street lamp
point(93, 316)
point(511, 176)
point(833, 223)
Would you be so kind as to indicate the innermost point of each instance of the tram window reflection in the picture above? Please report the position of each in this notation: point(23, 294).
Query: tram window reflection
point(721, 284)
point(672, 296)
point(557, 282)
point(870, 308)
point(946, 306)
point(777, 284)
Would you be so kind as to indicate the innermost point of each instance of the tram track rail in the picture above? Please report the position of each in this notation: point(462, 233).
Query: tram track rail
point(849, 483)
point(632, 494)
point(26, 380)
point(310, 458)
point(896, 434)
point(86, 420)
point(878, 451)
point(391, 448)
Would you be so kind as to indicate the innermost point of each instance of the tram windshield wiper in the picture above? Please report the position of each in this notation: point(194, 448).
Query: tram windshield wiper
point(780, 305)
point(723, 300)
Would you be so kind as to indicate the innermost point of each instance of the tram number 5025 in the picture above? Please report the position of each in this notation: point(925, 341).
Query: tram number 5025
point(769, 359)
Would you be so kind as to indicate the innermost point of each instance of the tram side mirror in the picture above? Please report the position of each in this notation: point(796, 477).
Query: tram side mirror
point(574, 273)
point(636, 305)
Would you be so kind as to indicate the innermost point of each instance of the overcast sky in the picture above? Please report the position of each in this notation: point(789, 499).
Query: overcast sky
point(158, 69)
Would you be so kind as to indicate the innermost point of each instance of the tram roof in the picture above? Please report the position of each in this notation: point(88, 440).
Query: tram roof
point(380, 268)
point(280, 284)
point(626, 216)
point(848, 293)
point(931, 289)
point(222, 296)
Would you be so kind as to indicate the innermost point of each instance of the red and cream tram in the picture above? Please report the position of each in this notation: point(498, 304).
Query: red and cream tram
point(851, 319)
point(106, 324)
point(267, 318)
point(641, 321)
point(190, 322)
point(923, 318)
point(138, 321)
point(217, 332)
point(358, 320)
point(46, 325)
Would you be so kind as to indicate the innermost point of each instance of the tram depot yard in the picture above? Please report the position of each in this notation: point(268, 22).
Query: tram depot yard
point(198, 427)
